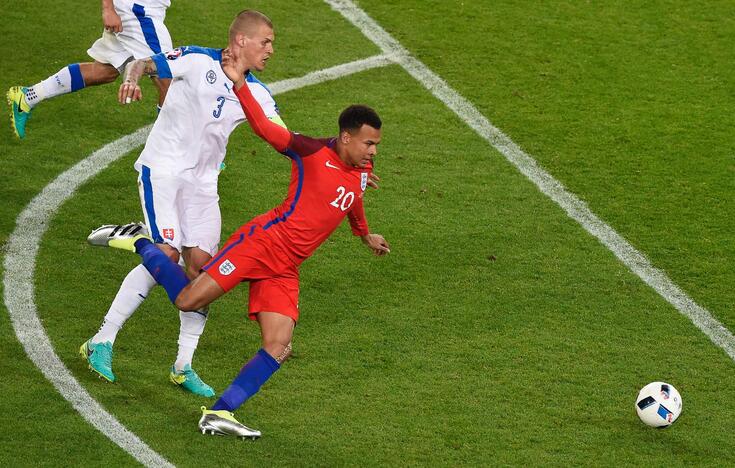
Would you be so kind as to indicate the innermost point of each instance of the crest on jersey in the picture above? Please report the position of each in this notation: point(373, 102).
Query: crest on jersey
point(226, 267)
point(211, 77)
point(363, 181)
point(168, 233)
point(174, 54)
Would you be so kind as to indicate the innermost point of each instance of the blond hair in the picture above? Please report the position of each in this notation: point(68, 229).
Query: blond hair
point(246, 23)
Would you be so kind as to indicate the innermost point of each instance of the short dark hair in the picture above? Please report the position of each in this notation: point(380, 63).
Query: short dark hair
point(357, 115)
point(246, 21)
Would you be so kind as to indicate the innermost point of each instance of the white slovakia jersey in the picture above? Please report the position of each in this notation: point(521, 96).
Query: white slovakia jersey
point(189, 137)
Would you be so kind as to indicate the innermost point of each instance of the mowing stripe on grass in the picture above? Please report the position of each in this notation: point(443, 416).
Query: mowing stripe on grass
point(573, 206)
point(20, 264)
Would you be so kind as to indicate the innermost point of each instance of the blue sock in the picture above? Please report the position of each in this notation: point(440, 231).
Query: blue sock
point(248, 381)
point(167, 273)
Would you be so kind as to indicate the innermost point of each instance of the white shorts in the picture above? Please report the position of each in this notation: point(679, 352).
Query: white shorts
point(143, 34)
point(180, 213)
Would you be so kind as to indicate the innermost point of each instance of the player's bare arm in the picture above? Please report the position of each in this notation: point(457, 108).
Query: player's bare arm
point(110, 19)
point(129, 89)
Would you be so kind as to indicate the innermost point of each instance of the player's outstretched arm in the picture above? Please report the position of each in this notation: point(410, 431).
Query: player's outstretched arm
point(376, 243)
point(110, 19)
point(129, 89)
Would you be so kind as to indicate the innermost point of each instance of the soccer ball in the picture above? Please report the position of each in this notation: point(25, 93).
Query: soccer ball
point(658, 404)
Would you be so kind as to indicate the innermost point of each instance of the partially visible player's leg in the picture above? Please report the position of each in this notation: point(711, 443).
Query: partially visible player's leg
point(276, 328)
point(158, 196)
point(133, 291)
point(192, 324)
point(191, 329)
point(277, 331)
point(71, 78)
point(98, 350)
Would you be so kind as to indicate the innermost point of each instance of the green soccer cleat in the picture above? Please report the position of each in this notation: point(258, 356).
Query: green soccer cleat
point(20, 111)
point(223, 422)
point(190, 381)
point(99, 358)
point(119, 236)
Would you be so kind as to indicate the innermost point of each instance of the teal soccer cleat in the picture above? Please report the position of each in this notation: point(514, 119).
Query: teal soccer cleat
point(190, 381)
point(99, 358)
point(20, 111)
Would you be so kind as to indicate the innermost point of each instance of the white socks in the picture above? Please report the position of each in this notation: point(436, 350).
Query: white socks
point(133, 291)
point(192, 326)
point(68, 79)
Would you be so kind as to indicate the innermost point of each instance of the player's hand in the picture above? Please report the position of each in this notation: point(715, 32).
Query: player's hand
point(234, 67)
point(376, 243)
point(111, 20)
point(373, 180)
point(129, 92)
point(129, 89)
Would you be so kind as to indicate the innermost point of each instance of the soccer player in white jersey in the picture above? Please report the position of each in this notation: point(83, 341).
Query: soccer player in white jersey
point(178, 171)
point(133, 29)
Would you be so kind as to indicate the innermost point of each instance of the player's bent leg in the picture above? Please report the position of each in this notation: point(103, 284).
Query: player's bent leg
point(73, 77)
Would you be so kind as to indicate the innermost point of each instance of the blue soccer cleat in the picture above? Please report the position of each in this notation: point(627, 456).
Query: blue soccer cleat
point(190, 381)
point(99, 358)
point(20, 111)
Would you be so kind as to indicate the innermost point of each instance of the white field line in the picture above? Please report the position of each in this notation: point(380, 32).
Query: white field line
point(20, 263)
point(574, 207)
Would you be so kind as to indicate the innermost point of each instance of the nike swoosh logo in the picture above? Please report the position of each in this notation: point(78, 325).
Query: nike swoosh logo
point(331, 165)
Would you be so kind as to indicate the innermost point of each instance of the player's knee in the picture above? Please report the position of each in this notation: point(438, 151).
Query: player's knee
point(105, 73)
point(192, 271)
point(188, 303)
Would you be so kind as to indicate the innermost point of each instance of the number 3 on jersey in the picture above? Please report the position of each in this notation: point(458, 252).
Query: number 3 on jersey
point(218, 111)
point(344, 199)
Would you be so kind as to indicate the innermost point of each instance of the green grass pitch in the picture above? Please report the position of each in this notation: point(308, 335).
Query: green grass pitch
point(498, 331)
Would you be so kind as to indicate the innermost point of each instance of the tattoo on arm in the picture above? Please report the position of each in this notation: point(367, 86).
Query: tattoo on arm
point(150, 67)
point(138, 68)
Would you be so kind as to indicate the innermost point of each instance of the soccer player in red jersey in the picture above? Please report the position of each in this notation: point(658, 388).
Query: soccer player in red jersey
point(328, 180)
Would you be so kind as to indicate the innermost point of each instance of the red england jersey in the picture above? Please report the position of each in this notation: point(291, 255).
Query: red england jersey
point(323, 190)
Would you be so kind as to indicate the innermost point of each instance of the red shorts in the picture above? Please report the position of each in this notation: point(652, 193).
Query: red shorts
point(252, 255)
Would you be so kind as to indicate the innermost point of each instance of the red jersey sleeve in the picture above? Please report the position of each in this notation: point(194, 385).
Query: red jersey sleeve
point(277, 136)
point(358, 221)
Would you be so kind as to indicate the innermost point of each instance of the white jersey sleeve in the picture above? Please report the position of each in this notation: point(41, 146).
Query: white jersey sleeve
point(179, 62)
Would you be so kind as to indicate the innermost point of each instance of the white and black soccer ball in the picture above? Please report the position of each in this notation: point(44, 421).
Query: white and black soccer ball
point(658, 404)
